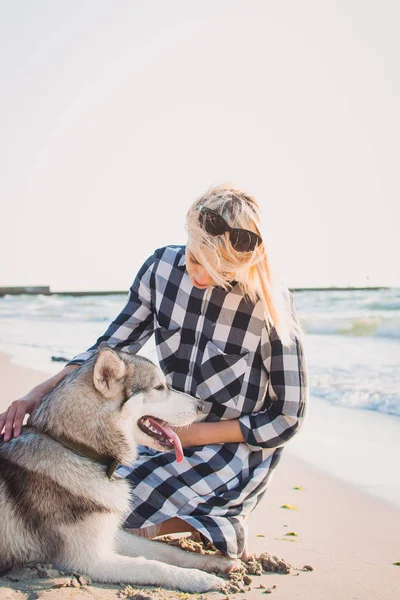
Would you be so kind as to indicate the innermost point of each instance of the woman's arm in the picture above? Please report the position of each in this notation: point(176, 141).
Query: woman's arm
point(11, 420)
point(220, 432)
point(286, 398)
point(285, 402)
point(286, 395)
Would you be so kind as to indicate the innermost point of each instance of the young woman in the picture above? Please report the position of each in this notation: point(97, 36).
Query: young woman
point(225, 332)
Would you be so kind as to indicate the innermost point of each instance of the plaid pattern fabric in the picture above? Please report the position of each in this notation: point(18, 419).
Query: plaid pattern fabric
point(214, 345)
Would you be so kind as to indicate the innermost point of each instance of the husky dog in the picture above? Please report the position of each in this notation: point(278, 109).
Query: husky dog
point(60, 503)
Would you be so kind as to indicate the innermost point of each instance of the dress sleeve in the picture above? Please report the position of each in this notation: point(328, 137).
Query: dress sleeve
point(135, 324)
point(286, 394)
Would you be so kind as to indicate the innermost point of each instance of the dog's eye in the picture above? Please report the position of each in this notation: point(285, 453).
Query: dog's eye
point(159, 387)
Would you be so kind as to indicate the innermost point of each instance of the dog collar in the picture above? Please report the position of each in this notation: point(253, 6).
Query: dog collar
point(82, 450)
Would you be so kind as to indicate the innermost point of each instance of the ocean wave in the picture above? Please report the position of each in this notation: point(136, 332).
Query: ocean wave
point(394, 305)
point(388, 403)
point(357, 375)
point(61, 308)
point(357, 326)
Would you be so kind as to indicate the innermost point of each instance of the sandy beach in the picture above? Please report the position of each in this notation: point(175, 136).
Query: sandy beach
point(350, 538)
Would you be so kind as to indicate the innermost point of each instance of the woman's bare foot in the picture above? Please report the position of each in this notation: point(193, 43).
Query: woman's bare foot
point(172, 525)
point(146, 532)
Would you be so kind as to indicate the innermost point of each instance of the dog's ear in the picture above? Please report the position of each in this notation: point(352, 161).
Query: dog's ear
point(108, 373)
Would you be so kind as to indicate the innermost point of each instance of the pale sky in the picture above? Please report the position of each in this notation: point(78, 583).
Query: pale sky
point(117, 114)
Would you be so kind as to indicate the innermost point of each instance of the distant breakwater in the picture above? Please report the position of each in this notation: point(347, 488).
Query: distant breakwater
point(46, 291)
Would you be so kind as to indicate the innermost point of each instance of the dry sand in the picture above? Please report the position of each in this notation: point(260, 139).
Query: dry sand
point(349, 538)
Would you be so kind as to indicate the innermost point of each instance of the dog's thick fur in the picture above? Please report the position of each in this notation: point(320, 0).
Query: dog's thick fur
point(59, 507)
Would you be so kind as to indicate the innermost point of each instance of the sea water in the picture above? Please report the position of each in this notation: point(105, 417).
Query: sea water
point(352, 344)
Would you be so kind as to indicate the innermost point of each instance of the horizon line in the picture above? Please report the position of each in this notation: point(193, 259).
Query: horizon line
point(46, 290)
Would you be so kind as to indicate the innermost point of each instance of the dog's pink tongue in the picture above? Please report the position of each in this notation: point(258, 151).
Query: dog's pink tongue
point(171, 435)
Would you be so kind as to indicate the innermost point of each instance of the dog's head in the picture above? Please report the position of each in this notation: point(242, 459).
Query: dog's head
point(114, 401)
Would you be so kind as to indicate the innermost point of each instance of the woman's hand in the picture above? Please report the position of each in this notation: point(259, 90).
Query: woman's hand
point(13, 418)
point(200, 434)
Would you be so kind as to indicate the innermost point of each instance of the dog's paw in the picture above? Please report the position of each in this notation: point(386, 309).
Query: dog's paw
point(196, 581)
point(220, 564)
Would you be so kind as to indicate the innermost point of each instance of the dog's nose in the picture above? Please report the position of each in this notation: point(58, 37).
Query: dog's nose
point(200, 406)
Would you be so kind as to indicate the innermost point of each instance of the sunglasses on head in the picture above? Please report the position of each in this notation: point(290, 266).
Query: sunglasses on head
point(242, 240)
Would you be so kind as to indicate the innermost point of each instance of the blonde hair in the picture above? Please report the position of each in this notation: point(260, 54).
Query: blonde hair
point(252, 270)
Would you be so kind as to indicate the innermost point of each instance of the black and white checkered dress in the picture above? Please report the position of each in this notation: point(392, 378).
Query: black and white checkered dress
point(214, 345)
